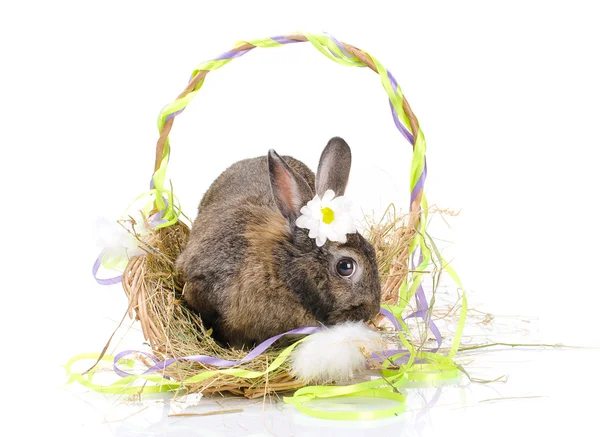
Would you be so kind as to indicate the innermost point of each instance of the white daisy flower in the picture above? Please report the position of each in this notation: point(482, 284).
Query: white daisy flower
point(327, 218)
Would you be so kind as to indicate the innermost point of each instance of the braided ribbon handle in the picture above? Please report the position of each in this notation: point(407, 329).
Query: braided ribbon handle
point(404, 119)
point(341, 53)
point(418, 365)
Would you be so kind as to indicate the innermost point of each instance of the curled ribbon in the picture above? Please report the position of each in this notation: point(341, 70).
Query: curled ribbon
point(408, 364)
point(426, 367)
point(160, 366)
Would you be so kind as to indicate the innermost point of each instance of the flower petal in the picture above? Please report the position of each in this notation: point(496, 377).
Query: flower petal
point(340, 204)
point(303, 221)
point(327, 197)
point(323, 230)
point(332, 234)
point(345, 224)
point(315, 209)
point(312, 218)
point(305, 210)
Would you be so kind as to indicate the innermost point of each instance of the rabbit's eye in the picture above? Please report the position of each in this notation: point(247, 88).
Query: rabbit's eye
point(346, 267)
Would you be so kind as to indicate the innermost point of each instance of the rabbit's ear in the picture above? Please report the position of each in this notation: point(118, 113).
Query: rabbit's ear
point(290, 191)
point(334, 167)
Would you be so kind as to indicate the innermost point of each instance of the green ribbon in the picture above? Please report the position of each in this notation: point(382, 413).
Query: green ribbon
point(421, 366)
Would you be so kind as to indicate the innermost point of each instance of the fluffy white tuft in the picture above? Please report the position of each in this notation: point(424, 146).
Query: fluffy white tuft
point(336, 353)
point(116, 242)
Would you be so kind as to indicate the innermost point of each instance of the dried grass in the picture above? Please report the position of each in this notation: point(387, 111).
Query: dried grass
point(391, 237)
point(155, 292)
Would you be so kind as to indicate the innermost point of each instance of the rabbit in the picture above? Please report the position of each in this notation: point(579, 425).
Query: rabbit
point(251, 273)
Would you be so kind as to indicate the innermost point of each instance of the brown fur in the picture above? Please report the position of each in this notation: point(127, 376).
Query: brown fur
point(261, 285)
point(251, 273)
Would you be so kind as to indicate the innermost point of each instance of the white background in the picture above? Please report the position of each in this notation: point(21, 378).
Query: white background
point(506, 92)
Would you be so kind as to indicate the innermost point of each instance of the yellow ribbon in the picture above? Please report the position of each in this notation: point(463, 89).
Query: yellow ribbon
point(430, 366)
point(124, 385)
point(381, 388)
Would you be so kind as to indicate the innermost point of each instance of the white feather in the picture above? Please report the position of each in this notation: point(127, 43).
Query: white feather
point(336, 353)
point(116, 242)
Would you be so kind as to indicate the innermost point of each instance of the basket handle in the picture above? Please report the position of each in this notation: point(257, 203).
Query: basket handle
point(364, 57)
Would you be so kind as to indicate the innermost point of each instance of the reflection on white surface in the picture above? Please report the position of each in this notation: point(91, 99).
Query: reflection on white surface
point(538, 396)
point(486, 80)
point(536, 390)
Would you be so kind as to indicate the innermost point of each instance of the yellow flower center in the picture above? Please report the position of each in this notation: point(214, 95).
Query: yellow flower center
point(328, 215)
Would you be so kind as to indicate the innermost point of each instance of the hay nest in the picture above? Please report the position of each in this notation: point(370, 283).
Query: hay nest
point(155, 292)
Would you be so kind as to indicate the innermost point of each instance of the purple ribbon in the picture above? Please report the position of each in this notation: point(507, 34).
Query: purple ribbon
point(403, 130)
point(101, 281)
point(434, 400)
point(160, 366)
point(174, 114)
point(423, 308)
point(419, 185)
point(339, 45)
point(232, 54)
point(400, 126)
point(227, 55)
point(283, 40)
point(156, 219)
point(383, 355)
point(422, 305)
point(391, 318)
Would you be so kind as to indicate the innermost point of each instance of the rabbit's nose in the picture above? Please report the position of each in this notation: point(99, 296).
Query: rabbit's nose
point(363, 311)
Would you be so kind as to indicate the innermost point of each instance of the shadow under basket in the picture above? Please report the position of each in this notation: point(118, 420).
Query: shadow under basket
point(155, 292)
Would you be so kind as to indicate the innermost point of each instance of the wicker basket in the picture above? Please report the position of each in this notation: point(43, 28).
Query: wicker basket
point(155, 290)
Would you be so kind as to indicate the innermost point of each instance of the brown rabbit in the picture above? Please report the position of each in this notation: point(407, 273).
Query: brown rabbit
point(251, 273)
